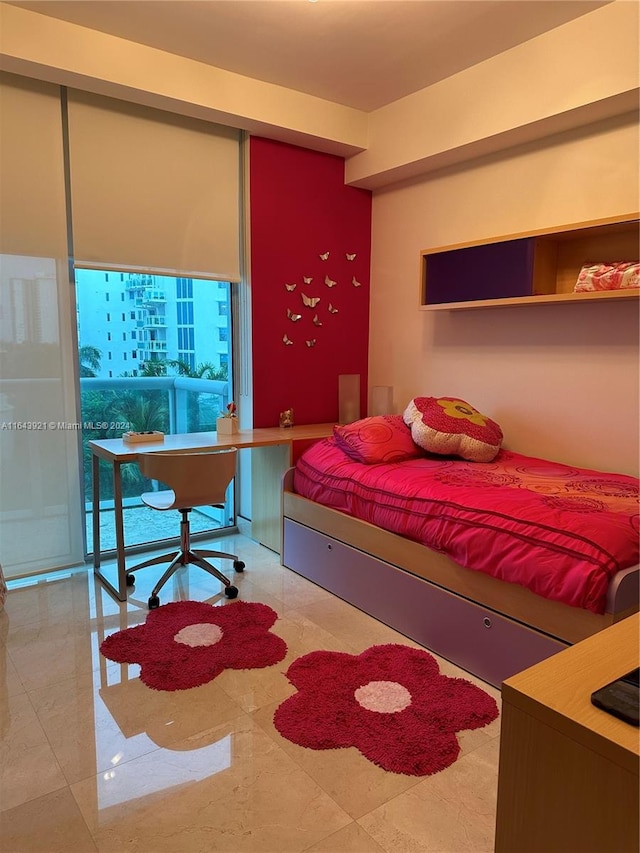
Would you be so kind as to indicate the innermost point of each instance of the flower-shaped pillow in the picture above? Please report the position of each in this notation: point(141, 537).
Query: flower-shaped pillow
point(452, 427)
point(381, 438)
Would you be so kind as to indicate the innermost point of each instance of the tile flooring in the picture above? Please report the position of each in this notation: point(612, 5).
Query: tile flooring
point(92, 760)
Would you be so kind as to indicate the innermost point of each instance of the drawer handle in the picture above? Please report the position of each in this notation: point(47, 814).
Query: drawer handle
point(486, 622)
point(329, 547)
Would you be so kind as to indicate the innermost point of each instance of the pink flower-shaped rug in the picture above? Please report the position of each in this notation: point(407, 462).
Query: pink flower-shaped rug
point(187, 643)
point(390, 702)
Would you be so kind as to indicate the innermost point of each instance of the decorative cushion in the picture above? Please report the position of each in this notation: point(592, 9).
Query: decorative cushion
point(451, 427)
point(383, 438)
point(608, 277)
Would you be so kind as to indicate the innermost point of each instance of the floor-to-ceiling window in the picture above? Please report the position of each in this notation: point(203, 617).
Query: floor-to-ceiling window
point(156, 244)
point(148, 202)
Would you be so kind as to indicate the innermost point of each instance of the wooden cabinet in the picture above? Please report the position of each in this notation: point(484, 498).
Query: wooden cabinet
point(523, 269)
point(568, 777)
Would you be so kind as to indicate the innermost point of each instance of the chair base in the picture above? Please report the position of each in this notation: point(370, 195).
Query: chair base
point(184, 557)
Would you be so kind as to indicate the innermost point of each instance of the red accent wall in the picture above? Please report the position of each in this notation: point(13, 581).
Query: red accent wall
point(299, 210)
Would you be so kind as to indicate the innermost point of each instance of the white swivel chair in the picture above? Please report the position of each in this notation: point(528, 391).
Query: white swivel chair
point(195, 479)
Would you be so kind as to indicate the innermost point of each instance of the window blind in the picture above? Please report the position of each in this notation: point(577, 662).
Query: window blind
point(40, 506)
point(153, 190)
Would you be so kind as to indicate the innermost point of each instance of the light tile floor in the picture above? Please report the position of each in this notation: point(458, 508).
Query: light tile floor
point(92, 760)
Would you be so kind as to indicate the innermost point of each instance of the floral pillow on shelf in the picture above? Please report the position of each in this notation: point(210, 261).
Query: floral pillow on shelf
point(452, 427)
point(616, 276)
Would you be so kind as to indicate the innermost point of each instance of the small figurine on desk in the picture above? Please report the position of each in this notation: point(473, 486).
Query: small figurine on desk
point(286, 418)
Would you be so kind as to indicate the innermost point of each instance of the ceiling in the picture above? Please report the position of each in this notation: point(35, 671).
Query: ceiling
point(360, 53)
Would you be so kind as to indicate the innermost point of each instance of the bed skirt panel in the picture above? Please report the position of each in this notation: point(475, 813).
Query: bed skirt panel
point(475, 638)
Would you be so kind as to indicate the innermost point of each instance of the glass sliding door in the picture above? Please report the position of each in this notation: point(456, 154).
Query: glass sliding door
point(155, 354)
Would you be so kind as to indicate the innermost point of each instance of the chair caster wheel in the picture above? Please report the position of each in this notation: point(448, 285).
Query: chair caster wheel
point(131, 580)
point(154, 602)
point(230, 591)
point(238, 566)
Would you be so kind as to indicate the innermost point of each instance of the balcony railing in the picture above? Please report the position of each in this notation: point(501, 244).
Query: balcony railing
point(180, 391)
point(137, 282)
point(154, 322)
point(150, 296)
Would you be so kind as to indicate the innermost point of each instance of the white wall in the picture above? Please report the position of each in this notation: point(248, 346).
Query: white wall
point(562, 380)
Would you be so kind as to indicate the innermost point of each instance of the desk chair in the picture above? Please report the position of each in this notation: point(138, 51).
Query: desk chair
point(194, 479)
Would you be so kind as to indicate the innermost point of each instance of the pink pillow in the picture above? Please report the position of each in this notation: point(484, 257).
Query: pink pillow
point(383, 438)
point(451, 427)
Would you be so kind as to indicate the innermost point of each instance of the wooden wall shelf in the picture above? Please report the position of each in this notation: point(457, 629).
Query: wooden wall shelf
point(535, 268)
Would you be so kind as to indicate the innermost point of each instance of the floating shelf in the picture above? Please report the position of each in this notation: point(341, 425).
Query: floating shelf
point(537, 268)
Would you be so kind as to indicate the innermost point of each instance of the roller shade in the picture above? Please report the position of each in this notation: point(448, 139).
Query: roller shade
point(41, 519)
point(32, 204)
point(151, 190)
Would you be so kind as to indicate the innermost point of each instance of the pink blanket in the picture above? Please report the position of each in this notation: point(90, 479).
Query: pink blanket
point(561, 531)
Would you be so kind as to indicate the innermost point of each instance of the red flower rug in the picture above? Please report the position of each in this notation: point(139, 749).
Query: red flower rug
point(187, 643)
point(390, 702)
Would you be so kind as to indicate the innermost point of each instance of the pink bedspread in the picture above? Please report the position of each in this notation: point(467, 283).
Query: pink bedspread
point(561, 531)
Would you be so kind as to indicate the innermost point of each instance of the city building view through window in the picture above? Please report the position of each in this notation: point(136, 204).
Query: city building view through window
point(154, 354)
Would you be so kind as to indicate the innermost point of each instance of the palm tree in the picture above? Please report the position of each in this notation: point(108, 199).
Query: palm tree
point(90, 360)
point(206, 370)
point(144, 412)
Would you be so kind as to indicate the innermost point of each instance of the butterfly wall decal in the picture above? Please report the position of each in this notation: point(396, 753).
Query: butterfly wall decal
point(310, 301)
point(290, 286)
point(355, 282)
point(324, 256)
point(307, 279)
point(332, 310)
point(293, 317)
point(311, 343)
point(286, 340)
point(317, 321)
point(329, 281)
point(350, 257)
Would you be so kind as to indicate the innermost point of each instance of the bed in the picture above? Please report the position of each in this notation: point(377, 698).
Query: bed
point(494, 566)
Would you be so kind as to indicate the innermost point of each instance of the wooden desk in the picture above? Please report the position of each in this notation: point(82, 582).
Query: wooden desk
point(568, 779)
point(274, 446)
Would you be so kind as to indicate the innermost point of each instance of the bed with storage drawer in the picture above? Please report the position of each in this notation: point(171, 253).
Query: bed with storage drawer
point(493, 565)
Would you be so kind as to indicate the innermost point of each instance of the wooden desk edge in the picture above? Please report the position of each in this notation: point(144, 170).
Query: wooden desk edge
point(116, 449)
point(548, 691)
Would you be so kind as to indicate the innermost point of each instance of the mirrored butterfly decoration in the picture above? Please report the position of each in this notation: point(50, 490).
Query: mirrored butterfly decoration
point(310, 301)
